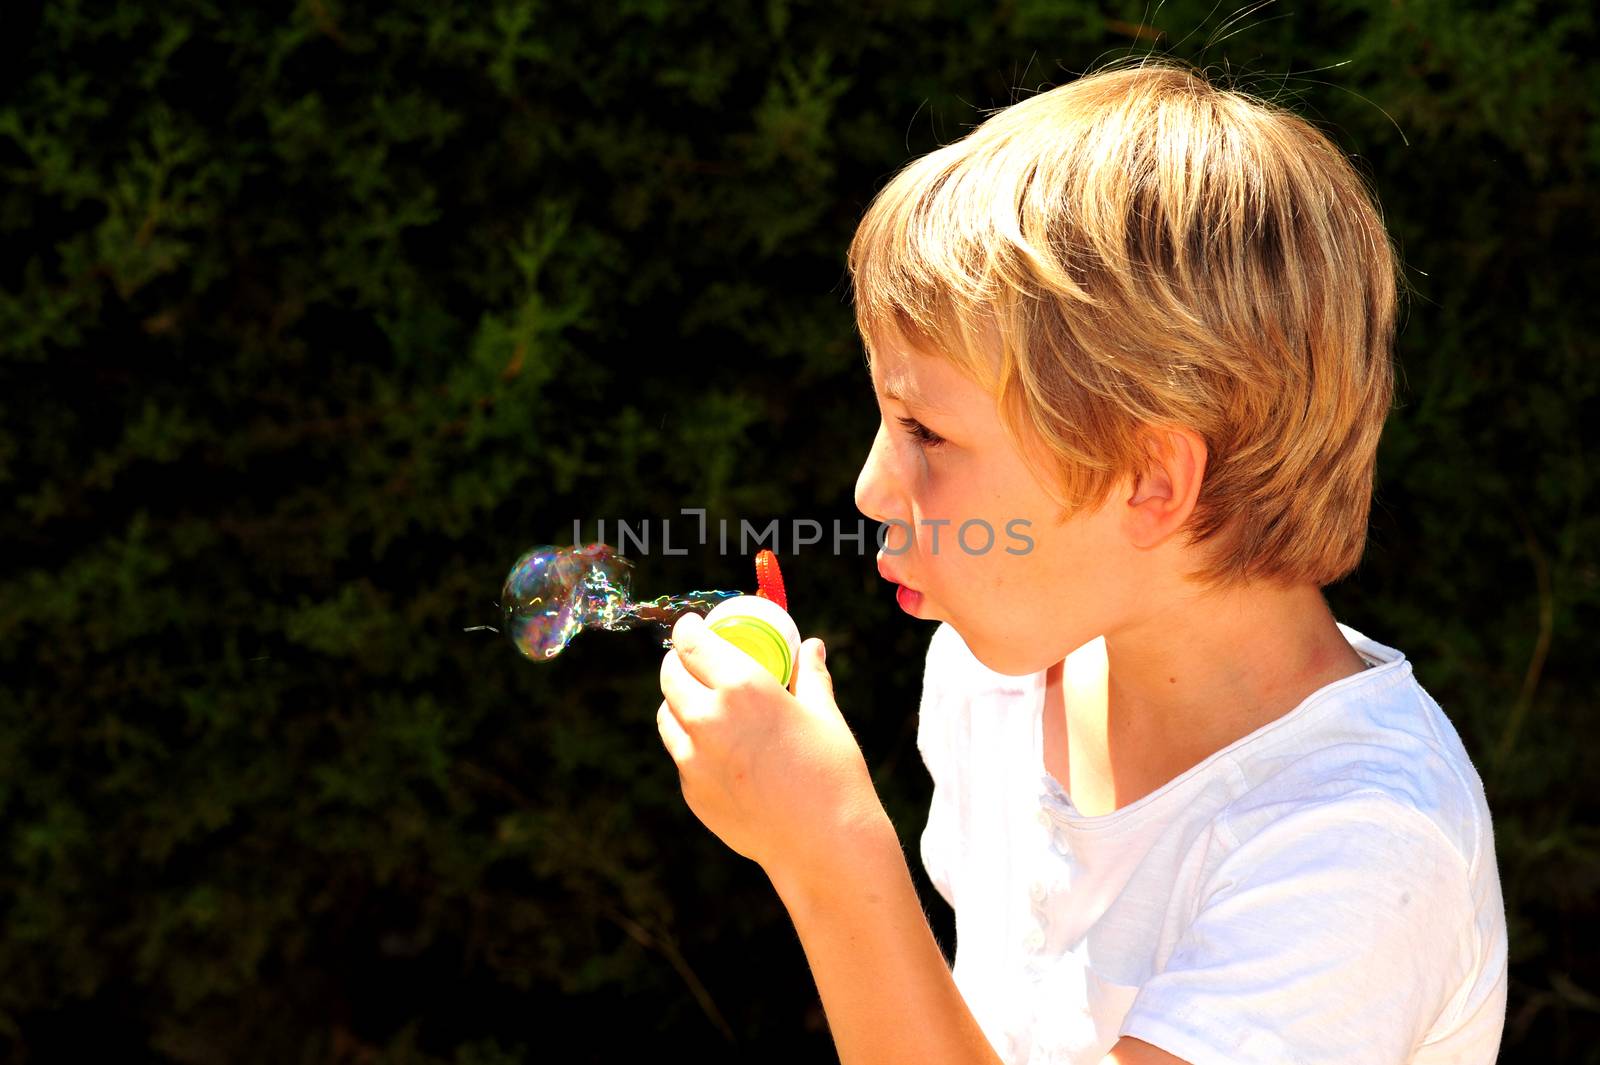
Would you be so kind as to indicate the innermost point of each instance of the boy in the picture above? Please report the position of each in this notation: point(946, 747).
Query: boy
point(1182, 814)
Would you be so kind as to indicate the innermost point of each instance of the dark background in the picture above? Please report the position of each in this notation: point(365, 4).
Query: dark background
point(313, 317)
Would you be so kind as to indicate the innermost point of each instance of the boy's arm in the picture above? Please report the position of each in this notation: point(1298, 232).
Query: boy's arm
point(780, 778)
point(887, 993)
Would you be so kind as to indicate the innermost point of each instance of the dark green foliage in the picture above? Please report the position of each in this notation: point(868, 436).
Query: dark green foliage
point(312, 320)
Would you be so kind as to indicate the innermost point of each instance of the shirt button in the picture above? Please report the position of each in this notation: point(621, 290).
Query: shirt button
point(1043, 818)
point(1035, 940)
point(1037, 891)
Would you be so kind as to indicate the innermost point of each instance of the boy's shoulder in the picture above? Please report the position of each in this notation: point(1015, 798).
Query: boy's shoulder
point(1378, 739)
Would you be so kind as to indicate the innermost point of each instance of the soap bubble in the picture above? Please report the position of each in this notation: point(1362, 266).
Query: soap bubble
point(551, 595)
point(554, 593)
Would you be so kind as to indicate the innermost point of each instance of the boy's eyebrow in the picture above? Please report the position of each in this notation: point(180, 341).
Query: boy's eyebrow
point(909, 396)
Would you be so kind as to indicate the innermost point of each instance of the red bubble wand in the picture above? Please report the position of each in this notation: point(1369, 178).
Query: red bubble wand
point(769, 579)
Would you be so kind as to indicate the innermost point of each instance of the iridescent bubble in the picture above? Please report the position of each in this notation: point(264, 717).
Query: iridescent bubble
point(554, 593)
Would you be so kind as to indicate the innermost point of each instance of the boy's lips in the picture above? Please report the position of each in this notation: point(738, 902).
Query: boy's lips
point(908, 597)
point(889, 575)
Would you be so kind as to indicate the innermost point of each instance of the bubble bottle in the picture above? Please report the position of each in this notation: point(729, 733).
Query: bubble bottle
point(760, 625)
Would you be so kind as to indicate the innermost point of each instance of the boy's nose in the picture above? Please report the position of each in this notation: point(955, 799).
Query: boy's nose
point(875, 483)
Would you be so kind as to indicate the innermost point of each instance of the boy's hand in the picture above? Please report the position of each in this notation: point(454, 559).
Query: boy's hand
point(777, 776)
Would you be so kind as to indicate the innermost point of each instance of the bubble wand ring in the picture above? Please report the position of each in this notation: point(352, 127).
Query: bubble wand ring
point(769, 579)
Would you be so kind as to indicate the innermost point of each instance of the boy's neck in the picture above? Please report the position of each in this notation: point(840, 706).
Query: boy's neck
point(1181, 686)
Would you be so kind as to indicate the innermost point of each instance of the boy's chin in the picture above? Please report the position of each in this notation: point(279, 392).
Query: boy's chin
point(1008, 658)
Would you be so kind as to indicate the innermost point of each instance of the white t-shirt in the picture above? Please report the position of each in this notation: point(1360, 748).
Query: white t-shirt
point(1323, 890)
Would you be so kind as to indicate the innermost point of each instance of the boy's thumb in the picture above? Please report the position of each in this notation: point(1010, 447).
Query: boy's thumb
point(813, 678)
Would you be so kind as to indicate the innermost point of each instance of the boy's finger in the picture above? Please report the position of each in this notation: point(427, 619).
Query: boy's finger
point(680, 687)
point(677, 741)
point(710, 659)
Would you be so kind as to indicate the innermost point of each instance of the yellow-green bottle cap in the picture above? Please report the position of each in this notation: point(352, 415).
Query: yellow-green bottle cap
point(761, 629)
point(760, 641)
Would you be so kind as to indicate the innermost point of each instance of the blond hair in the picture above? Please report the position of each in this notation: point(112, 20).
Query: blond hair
point(1140, 248)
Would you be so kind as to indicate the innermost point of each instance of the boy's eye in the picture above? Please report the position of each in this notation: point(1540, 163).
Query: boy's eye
point(924, 436)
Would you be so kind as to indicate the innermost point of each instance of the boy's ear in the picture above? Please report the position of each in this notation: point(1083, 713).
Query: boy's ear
point(1164, 495)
